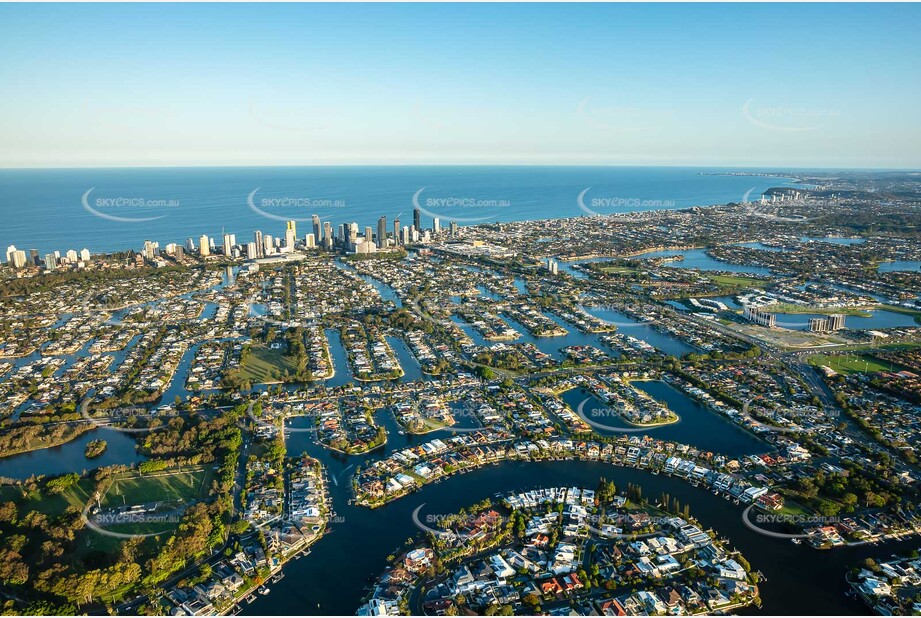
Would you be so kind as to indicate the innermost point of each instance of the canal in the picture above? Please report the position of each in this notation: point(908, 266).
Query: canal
point(337, 573)
point(698, 426)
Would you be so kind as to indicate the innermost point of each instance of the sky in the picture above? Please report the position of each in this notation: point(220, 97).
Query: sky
point(788, 85)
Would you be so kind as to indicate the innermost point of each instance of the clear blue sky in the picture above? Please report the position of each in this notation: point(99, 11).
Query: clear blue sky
point(735, 85)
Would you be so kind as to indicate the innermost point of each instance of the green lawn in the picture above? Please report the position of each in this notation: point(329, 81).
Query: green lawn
point(736, 281)
point(850, 363)
point(793, 309)
point(792, 508)
point(186, 486)
point(618, 269)
point(267, 365)
point(49, 504)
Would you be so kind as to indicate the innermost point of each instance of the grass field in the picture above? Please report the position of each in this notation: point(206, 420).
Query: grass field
point(794, 309)
point(186, 486)
point(793, 509)
point(267, 365)
point(848, 364)
point(737, 281)
point(618, 269)
point(50, 504)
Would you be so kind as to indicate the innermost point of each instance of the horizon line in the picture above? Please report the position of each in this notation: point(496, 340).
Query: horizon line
point(357, 165)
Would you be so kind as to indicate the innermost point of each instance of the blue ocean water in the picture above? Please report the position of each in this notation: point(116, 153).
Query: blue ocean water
point(117, 209)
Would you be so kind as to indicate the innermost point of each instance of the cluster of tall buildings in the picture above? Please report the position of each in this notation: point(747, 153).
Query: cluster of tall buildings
point(758, 316)
point(17, 258)
point(827, 324)
point(348, 238)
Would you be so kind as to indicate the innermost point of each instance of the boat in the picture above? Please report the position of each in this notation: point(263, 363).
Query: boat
point(796, 541)
point(264, 590)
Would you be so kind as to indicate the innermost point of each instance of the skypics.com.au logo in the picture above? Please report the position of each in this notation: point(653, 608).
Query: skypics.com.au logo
point(602, 206)
point(292, 204)
point(615, 525)
point(604, 417)
point(162, 517)
point(769, 209)
point(760, 519)
point(120, 418)
point(461, 209)
point(455, 526)
point(763, 427)
point(790, 119)
point(126, 207)
point(416, 307)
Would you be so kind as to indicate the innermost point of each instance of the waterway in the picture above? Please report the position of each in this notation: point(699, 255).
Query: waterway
point(693, 258)
point(341, 566)
point(69, 457)
point(698, 426)
point(897, 265)
point(698, 259)
point(641, 330)
point(878, 319)
point(386, 292)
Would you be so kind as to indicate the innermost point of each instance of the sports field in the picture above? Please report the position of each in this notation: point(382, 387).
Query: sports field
point(266, 365)
point(849, 363)
point(168, 485)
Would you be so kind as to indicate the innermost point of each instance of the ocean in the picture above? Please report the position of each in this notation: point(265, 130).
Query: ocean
point(107, 210)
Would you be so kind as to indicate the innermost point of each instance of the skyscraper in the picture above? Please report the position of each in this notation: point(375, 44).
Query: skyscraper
point(260, 252)
point(204, 245)
point(15, 257)
point(150, 250)
point(327, 234)
point(436, 225)
point(317, 231)
point(382, 232)
point(292, 226)
point(454, 229)
point(417, 219)
point(310, 241)
point(396, 231)
point(228, 245)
